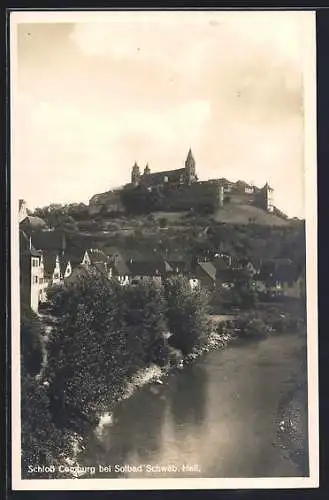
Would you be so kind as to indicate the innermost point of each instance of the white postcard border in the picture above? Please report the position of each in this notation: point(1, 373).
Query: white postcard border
point(311, 277)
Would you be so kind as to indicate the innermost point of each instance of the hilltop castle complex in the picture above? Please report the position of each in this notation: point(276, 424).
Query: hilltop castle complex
point(182, 190)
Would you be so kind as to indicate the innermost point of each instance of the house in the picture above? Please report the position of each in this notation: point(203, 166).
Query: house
point(281, 277)
point(251, 267)
point(65, 266)
point(31, 272)
point(179, 267)
point(154, 269)
point(76, 257)
point(31, 223)
point(206, 273)
point(82, 270)
point(224, 274)
point(52, 244)
point(119, 268)
point(96, 257)
point(52, 269)
point(22, 211)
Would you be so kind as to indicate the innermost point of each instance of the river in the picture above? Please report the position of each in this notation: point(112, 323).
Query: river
point(218, 417)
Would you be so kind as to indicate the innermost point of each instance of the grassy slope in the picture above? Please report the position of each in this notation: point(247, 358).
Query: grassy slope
point(240, 214)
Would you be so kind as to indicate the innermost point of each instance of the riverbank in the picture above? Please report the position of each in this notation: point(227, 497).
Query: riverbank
point(152, 374)
point(155, 376)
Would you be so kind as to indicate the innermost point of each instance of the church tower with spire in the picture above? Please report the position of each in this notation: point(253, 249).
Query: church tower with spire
point(190, 168)
point(135, 174)
point(147, 170)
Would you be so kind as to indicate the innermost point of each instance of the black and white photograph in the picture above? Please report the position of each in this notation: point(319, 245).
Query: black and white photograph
point(163, 246)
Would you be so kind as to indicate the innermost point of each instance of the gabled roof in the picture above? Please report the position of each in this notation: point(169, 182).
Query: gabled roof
point(76, 273)
point(96, 255)
point(32, 222)
point(220, 264)
point(113, 251)
point(149, 267)
point(282, 270)
point(209, 269)
point(63, 262)
point(286, 273)
point(49, 262)
point(226, 275)
point(75, 258)
point(158, 177)
point(120, 267)
point(49, 240)
point(26, 247)
point(180, 266)
point(101, 267)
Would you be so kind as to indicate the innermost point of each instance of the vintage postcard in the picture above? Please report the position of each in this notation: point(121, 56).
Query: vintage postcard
point(163, 242)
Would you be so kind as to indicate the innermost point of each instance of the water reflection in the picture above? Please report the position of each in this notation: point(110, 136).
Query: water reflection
point(188, 399)
point(218, 413)
point(131, 439)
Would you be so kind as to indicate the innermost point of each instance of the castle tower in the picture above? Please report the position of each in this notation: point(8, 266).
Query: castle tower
point(190, 168)
point(147, 170)
point(135, 174)
point(268, 197)
point(220, 195)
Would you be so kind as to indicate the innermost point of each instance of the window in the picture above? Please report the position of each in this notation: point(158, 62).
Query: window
point(56, 276)
point(35, 262)
point(35, 279)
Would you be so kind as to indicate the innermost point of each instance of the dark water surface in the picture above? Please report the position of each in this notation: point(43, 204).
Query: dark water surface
point(219, 417)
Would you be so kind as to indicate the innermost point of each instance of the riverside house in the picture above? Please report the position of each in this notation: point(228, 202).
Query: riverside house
point(31, 272)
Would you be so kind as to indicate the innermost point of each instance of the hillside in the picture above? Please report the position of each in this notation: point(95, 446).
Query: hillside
point(235, 228)
point(245, 214)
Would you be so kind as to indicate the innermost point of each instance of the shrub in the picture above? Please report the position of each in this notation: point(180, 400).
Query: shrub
point(253, 326)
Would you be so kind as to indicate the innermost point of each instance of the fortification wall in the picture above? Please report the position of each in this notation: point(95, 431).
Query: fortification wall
point(110, 202)
point(240, 198)
point(196, 196)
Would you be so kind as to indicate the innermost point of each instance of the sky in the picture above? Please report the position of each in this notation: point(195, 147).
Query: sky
point(93, 95)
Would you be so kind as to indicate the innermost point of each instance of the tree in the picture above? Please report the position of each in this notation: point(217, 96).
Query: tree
point(142, 311)
point(85, 367)
point(244, 293)
point(187, 314)
point(163, 222)
point(105, 334)
point(42, 443)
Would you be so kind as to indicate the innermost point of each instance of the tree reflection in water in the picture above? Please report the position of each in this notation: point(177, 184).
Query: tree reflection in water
point(188, 398)
point(130, 440)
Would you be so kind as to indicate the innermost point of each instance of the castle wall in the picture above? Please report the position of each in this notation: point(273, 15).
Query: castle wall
point(196, 196)
point(240, 198)
point(110, 201)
